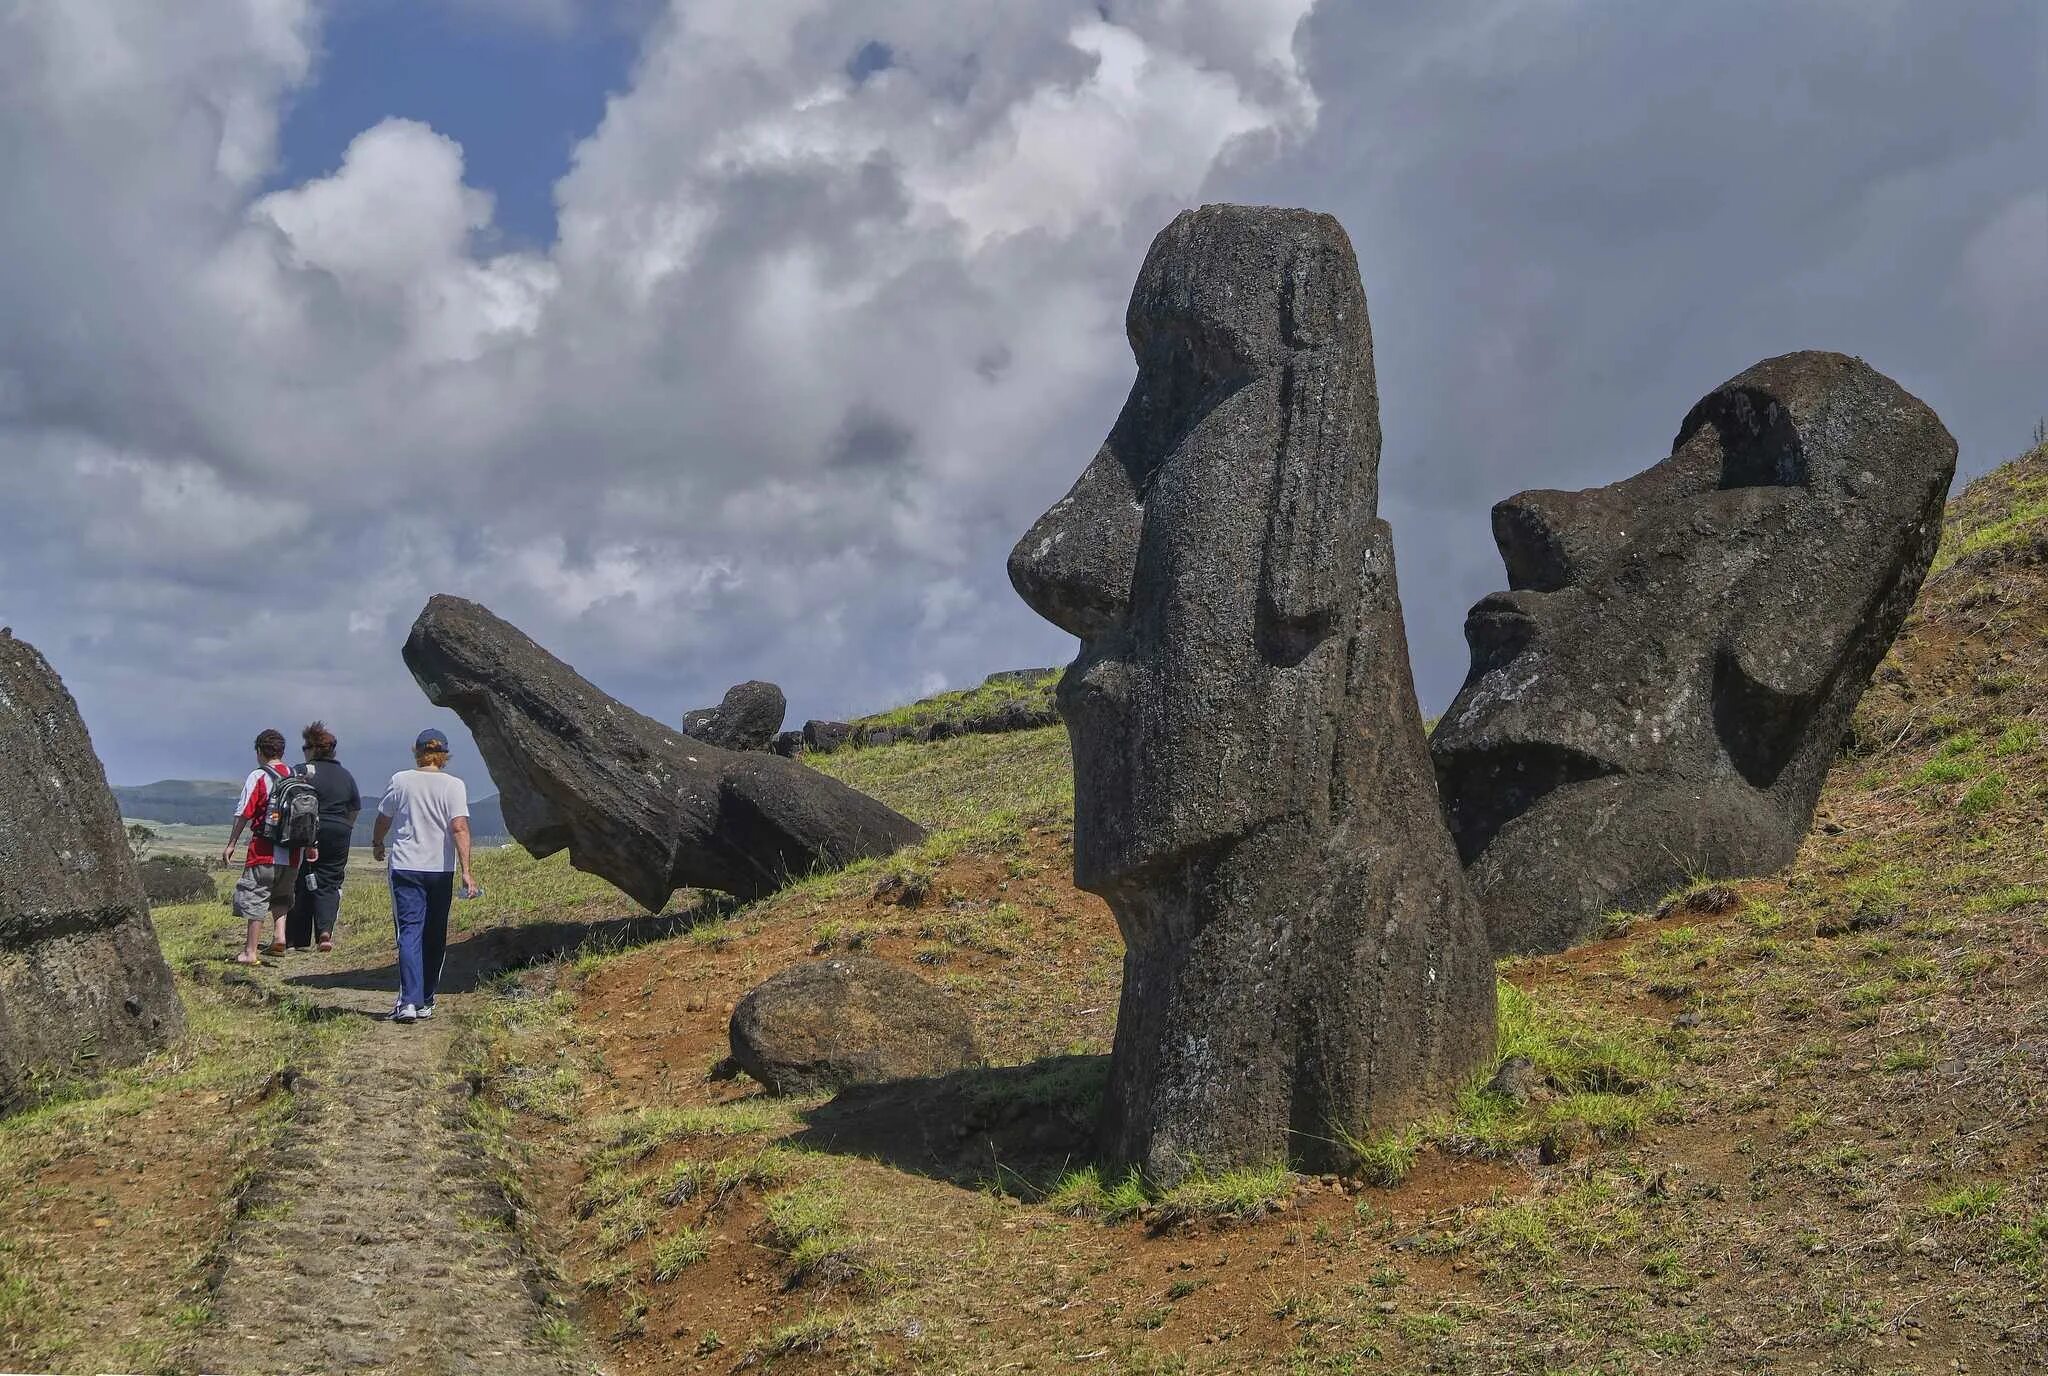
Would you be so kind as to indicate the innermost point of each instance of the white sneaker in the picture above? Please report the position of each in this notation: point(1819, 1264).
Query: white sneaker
point(405, 1012)
point(425, 1011)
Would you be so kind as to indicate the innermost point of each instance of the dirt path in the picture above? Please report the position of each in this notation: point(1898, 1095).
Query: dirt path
point(374, 1242)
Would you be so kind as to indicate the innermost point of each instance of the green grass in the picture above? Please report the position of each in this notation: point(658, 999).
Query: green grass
point(1967, 1201)
point(679, 1250)
point(958, 708)
point(960, 783)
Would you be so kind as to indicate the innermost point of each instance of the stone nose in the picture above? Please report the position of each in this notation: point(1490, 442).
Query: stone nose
point(1075, 565)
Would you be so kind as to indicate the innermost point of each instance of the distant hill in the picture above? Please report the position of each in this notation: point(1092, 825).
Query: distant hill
point(192, 802)
point(211, 802)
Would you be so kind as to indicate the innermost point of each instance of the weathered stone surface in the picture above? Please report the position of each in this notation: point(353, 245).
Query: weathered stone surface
point(825, 736)
point(169, 881)
point(747, 718)
point(83, 982)
point(788, 744)
point(1253, 793)
point(1661, 690)
point(849, 1020)
point(631, 800)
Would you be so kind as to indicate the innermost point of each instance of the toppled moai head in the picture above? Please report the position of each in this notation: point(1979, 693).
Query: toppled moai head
point(1210, 557)
point(1660, 691)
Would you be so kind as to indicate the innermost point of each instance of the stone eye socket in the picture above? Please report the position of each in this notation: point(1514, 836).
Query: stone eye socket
point(1759, 445)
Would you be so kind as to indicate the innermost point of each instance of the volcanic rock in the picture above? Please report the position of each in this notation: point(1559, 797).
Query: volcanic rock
point(824, 737)
point(849, 1020)
point(1304, 963)
point(632, 800)
point(1661, 690)
point(82, 980)
point(747, 718)
point(165, 880)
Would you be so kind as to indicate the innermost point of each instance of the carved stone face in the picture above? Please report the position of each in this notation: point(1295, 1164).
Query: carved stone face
point(1661, 687)
point(1209, 558)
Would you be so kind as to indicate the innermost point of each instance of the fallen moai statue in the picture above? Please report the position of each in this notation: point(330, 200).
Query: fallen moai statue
point(1253, 796)
point(633, 801)
point(746, 718)
point(82, 978)
point(1660, 692)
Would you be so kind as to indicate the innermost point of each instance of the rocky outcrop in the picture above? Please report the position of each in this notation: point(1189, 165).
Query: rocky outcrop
point(169, 880)
point(823, 737)
point(1253, 792)
point(83, 982)
point(747, 718)
point(849, 1020)
point(1661, 689)
point(630, 799)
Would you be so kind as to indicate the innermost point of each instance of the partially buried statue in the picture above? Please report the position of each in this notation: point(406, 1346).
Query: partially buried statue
point(632, 800)
point(1304, 962)
point(1661, 691)
point(83, 984)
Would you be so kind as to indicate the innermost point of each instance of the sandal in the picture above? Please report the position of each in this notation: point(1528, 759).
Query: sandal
point(277, 948)
point(326, 943)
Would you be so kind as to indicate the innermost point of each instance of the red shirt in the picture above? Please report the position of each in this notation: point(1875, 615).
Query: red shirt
point(255, 797)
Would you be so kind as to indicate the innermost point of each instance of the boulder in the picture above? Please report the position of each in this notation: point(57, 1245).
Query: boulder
point(1661, 689)
point(82, 980)
point(169, 880)
point(849, 1020)
point(747, 718)
point(1252, 789)
point(788, 744)
point(823, 737)
point(631, 800)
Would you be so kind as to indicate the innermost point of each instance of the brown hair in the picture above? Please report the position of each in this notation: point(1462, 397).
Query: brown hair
point(319, 742)
point(430, 759)
point(270, 743)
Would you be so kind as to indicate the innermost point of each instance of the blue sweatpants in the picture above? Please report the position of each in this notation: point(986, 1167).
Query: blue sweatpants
point(419, 909)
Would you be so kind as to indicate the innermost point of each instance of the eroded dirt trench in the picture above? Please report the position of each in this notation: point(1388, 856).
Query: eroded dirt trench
point(372, 1240)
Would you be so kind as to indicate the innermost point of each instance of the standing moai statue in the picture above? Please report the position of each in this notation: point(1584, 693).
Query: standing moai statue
point(1304, 962)
point(1663, 687)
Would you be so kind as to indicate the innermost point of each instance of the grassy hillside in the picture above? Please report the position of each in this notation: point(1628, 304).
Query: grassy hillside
point(1797, 1124)
point(1793, 1123)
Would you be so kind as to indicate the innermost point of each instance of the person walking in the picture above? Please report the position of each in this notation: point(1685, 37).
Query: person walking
point(316, 902)
point(423, 830)
point(264, 892)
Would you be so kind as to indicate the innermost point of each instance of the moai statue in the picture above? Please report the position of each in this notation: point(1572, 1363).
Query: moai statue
point(1304, 963)
point(1661, 691)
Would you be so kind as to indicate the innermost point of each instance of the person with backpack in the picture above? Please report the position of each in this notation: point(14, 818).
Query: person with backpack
point(316, 902)
point(282, 814)
point(423, 828)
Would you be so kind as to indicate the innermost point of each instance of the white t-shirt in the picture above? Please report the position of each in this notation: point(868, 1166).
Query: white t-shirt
point(422, 803)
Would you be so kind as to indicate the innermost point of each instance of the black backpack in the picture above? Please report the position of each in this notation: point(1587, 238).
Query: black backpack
point(291, 816)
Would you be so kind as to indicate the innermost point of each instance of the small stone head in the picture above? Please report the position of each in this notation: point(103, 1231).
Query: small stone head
point(1210, 558)
point(1675, 657)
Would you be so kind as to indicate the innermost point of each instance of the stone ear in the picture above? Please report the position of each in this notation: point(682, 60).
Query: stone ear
point(1327, 460)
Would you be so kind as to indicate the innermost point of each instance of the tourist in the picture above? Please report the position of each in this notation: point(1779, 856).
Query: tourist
point(424, 818)
point(316, 903)
point(264, 892)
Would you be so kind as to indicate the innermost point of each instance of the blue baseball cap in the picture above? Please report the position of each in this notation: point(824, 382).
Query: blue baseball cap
point(431, 739)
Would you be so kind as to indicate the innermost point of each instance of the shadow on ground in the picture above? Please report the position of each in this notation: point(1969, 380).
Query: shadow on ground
point(1018, 1127)
point(476, 958)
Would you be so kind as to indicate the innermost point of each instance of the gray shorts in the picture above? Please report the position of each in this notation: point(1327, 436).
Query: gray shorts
point(262, 888)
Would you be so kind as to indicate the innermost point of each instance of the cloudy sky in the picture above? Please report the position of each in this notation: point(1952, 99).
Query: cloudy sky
point(718, 339)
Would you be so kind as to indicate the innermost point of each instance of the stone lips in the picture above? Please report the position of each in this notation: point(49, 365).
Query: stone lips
point(1659, 692)
point(746, 718)
point(848, 1020)
point(1253, 795)
point(633, 801)
point(82, 978)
